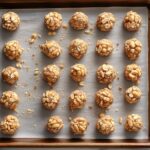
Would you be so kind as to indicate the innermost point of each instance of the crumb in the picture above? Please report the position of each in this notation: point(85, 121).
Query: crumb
point(51, 33)
point(116, 110)
point(61, 66)
point(120, 88)
point(18, 65)
point(33, 38)
point(118, 78)
point(36, 71)
point(88, 31)
point(27, 93)
point(65, 26)
point(29, 111)
point(110, 86)
point(90, 107)
point(81, 83)
point(70, 118)
point(120, 120)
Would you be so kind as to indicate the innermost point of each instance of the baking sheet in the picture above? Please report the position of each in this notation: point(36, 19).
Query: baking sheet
point(33, 123)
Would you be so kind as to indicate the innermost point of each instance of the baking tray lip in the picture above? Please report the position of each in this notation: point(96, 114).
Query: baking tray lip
point(37, 142)
point(33, 142)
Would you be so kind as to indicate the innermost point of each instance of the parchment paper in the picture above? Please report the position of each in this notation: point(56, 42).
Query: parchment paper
point(33, 124)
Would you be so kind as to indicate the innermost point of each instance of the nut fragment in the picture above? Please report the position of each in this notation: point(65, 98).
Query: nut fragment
point(79, 21)
point(50, 99)
point(12, 50)
point(79, 125)
point(9, 99)
point(133, 123)
point(105, 124)
point(9, 125)
point(104, 47)
point(51, 74)
point(78, 48)
point(105, 21)
point(10, 75)
point(77, 99)
point(132, 21)
point(55, 124)
point(53, 21)
point(133, 94)
point(10, 21)
point(106, 74)
point(133, 72)
point(51, 49)
point(132, 48)
point(104, 98)
point(78, 72)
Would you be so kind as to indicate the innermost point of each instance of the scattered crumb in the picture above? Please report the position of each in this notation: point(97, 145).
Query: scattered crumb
point(88, 31)
point(90, 107)
point(117, 44)
point(116, 110)
point(36, 71)
point(51, 33)
point(70, 118)
point(117, 78)
point(18, 65)
point(33, 38)
point(81, 83)
point(29, 111)
point(61, 66)
point(120, 88)
point(65, 26)
point(27, 93)
point(110, 86)
point(120, 120)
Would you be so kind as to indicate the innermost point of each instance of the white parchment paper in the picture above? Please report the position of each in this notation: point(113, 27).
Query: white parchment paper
point(33, 124)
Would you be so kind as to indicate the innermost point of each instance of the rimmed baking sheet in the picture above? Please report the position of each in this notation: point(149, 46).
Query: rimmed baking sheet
point(33, 123)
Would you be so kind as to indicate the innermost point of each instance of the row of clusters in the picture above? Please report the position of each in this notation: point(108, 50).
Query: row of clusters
point(77, 48)
point(79, 21)
point(105, 124)
point(51, 73)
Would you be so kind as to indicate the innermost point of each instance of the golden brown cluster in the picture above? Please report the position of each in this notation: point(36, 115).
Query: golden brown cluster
point(50, 99)
point(51, 49)
point(105, 124)
point(53, 21)
point(78, 72)
point(132, 21)
point(79, 21)
point(9, 125)
point(12, 50)
point(10, 21)
point(133, 72)
point(77, 99)
point(105, 21)
point(10, 75)
point(51, 74)
point(104, 47)
point(54, 124)
point(9, 99)
point(79, 125)
point(78, 48)
point(132, 48)
point(133, 123)
point(106, 74)
point(104, 98)
point(133, 94)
